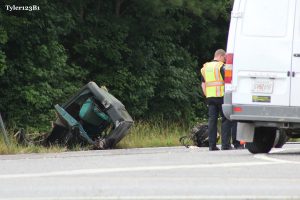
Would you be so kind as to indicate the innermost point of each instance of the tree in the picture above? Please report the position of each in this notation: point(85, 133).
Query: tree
point(146, 52)
point(36, 76)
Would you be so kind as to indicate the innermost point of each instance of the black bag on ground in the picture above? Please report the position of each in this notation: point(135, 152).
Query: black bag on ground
point(198, 136)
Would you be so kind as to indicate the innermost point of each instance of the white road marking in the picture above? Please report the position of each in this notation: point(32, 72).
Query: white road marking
point(267, 158)
point(132, 169)
point(155, 197)
point(267, 161)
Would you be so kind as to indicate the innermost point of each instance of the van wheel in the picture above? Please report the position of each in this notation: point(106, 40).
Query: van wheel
point(282, 139)
point(263, 140)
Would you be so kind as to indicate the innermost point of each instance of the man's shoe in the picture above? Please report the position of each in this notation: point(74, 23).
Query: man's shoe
point(239, 147)
point(227, 148)
point(214, 149)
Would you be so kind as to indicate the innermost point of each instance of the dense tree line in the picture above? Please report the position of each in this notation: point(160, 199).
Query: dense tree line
point(146, 52)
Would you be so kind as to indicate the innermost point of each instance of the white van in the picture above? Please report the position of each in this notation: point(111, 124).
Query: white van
point(262, 76)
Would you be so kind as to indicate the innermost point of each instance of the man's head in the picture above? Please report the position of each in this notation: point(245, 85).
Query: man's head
point(220, 55)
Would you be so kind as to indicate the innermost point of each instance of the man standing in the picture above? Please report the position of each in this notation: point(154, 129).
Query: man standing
point(212, 77)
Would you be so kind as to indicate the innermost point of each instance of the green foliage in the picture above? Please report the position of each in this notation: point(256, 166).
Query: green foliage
point(15, 148)
point(37, 74)
point(3, 40)
point(154, 134)
point(146, 52)
point(142, 134)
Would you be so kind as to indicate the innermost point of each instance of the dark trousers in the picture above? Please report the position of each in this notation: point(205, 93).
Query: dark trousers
point(213, 113)
point(233, 134)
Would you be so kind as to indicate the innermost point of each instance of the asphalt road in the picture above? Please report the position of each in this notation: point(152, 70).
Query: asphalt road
point(152, 173)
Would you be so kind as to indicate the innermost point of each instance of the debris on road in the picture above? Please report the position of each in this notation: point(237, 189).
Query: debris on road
point(198, 136)
point(91, 117)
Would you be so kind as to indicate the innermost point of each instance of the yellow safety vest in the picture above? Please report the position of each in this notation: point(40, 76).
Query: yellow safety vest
point(214, 83)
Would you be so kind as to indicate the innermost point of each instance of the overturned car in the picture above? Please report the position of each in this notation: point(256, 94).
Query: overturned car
point(91, 117)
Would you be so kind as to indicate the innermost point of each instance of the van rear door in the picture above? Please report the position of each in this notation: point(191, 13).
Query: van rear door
point(263, 50)
point(295, 79)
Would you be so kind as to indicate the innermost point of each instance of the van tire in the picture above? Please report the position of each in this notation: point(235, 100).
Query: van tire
point(263, 140)
point(283, 138)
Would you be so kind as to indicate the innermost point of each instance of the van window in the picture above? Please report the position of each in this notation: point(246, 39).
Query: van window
point(266, 18)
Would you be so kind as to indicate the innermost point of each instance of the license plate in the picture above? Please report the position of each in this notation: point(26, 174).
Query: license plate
point(263, 86)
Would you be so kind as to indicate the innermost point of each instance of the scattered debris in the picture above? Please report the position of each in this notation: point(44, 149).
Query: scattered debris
point(198, 136)
point(91, 117)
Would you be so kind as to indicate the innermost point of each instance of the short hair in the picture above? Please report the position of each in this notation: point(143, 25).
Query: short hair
point(220, 52)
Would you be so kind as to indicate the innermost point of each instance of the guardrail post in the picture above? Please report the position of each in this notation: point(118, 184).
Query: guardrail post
point(4, 132)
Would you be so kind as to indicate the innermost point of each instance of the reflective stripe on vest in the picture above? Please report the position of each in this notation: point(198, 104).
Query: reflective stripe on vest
point(214, 83)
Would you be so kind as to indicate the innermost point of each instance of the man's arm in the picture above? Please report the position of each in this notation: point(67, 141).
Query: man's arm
point(222, 70)
point(200, 76)
point(203, 88)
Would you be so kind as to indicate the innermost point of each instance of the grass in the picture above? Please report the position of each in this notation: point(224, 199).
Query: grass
point(15, 148)
point(141, 134)
point(145, 134)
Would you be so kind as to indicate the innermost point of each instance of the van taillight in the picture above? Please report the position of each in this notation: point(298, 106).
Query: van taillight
point(237, 109)
point(229, 58)
point(228, 68)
